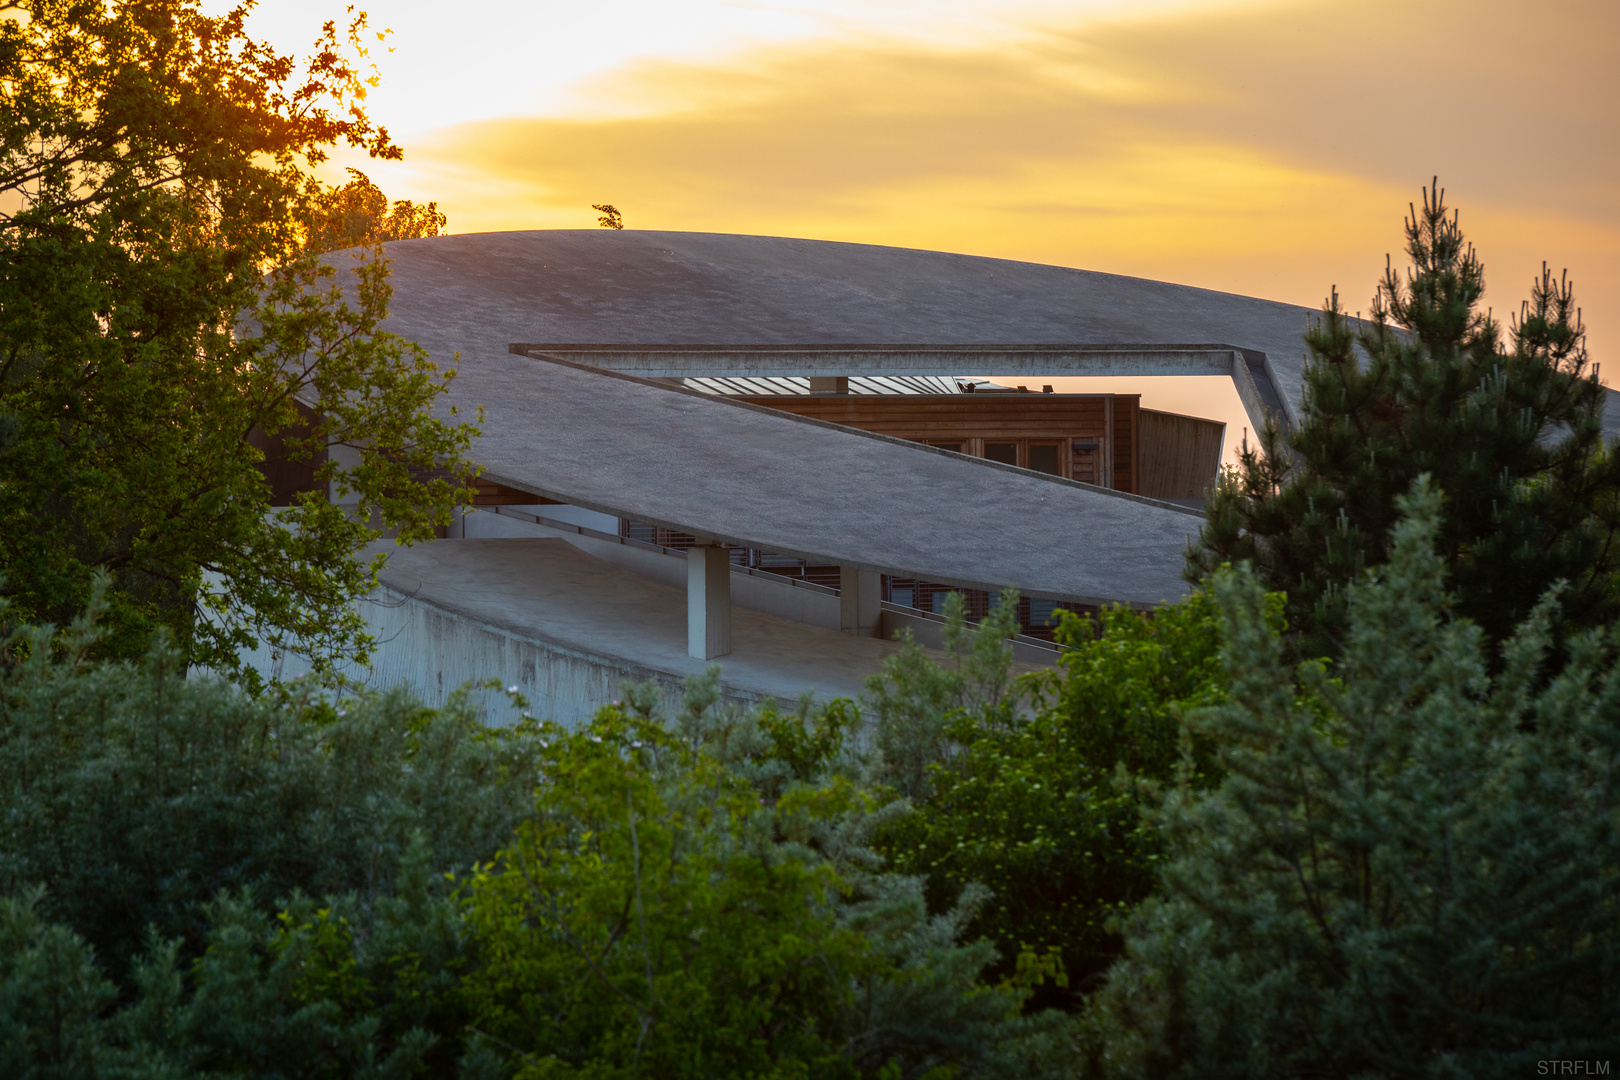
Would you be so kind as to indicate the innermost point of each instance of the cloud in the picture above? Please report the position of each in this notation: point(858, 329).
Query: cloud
point(1269, 149)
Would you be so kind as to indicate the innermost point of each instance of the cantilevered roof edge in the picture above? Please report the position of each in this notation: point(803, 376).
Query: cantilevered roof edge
point(871, 435)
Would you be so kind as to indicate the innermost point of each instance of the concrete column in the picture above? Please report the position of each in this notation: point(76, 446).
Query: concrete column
point(347, 458)
point(860, 601)
point(708, 602)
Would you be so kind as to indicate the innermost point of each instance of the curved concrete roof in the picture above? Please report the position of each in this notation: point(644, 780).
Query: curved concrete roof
point(600, 286)
point(758, 478)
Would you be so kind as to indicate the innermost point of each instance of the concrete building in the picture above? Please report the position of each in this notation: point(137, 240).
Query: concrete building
point(590, 351)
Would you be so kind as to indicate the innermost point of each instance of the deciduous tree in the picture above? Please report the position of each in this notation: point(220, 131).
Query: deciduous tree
point(160, 324)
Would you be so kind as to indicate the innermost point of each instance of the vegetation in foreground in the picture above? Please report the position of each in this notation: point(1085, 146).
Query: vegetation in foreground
point(1396, 864)
point(166, 330)
point(1349, 810)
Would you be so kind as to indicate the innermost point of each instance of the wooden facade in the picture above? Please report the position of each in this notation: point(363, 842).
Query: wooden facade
point(1180, 455)
point(1088, 437)
point(289, 474)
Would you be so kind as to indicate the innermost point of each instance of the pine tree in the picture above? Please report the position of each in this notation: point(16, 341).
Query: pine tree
point(1410, 868)
point(1511, 435)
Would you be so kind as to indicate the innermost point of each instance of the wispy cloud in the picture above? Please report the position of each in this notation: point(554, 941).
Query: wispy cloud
point(1268, 148)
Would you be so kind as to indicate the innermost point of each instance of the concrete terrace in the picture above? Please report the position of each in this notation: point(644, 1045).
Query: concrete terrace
point(577, 419)
point(568, 628)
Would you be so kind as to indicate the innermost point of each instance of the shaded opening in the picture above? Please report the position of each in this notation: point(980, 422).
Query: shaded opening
point(1004, 452)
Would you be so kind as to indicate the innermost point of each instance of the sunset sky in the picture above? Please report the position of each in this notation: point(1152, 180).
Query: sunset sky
point(1267, 148)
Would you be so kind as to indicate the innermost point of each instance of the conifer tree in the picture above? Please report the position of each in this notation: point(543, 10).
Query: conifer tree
point(1511, 433)
point(1409, 869)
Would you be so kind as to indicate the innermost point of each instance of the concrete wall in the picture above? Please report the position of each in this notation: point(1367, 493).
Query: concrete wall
point(433, 653)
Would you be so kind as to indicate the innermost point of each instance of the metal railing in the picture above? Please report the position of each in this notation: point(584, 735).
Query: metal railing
point(797, 583)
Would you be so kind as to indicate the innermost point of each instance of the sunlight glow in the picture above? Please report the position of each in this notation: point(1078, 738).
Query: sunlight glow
point(1268, 147)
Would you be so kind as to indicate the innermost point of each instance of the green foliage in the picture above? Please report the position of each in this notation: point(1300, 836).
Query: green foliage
point(155, 164)
point(635, 928)
point(687, 903)
point(1410, 869)
point(311, 997)
point(358, 214)
point(1512, 437)
point(915, 702)
point(136, 795)
point(1042, 803)
point(683, 896)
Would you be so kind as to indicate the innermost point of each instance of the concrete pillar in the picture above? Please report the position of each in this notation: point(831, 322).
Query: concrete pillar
point(348, 459)
point(708, 602)
point(860, 601)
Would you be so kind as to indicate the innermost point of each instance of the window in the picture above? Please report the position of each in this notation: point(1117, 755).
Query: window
point(1043, 457)
point(947, 446)
point(1004, 452)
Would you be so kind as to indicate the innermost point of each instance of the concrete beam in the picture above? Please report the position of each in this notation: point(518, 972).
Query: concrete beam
point(860, 601)
point(1247, 369)
point(832, 361)
point(708, 602)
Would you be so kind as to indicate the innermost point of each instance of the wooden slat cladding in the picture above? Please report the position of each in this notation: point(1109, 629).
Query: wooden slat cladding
point(493, 494)
point(488, 492)
point(288, 478)
point(984, 425)
point(1180, 455)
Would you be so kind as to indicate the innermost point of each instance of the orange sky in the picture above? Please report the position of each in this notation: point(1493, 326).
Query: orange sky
point(1266, 148)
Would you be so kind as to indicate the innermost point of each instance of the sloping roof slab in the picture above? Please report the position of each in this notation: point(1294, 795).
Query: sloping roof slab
point(754, 477)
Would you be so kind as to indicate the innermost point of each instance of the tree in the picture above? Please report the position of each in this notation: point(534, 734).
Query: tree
point(611, 218)
point(1035, 787)
point(160, 327)
point(1410, 869)
point(358, 215)
point(135, 795)
point(1512, 436)
point(165, 838)
point(695, 896)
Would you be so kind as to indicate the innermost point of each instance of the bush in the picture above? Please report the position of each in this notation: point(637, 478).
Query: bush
point(696, 898)
point(165, 841)
point(135, 795)
point(1037, 793)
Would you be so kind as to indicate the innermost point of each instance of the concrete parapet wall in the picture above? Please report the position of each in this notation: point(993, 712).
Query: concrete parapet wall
point(432, 653)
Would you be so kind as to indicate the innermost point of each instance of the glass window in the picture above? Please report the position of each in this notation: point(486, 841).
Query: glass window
point(1044, 458)
point(948, 446)
point(1004, 452)
point(902, 595)
point(1041, 612)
